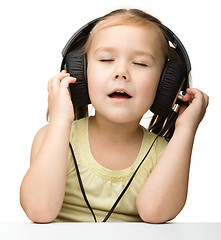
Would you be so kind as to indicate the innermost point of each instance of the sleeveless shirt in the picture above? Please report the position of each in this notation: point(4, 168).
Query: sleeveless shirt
point(102, 185)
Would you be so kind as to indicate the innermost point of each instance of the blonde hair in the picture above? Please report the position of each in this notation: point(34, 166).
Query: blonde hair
point(132, 17)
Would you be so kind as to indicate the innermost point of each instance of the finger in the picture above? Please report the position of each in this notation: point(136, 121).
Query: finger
point(193, 93)
point(197, 94)
point(66, 81)
point(188, 96)
point(60, 75)
point(55, 81)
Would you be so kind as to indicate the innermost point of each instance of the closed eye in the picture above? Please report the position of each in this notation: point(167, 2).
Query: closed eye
point(106, 60)
point(140, 64)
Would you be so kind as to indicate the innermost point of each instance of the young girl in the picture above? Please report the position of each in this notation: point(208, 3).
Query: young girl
point(126, 54)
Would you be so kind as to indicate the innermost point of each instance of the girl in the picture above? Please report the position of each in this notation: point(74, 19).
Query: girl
point(126, 53)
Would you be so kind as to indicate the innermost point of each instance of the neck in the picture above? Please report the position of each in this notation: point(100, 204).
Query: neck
point(110, 130)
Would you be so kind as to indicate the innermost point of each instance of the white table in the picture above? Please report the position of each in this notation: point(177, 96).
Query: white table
point(115, 231)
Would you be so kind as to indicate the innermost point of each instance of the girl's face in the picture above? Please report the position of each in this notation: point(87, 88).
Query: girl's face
point(124, 67)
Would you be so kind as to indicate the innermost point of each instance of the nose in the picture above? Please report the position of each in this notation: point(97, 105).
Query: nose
point(121, 72)
point(121, 76)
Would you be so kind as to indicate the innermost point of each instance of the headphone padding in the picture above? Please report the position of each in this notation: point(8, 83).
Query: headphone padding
point(76, 65)
point(168, 87)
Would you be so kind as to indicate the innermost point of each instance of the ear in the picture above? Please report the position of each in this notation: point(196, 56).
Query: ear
point(170, 82)
point(76, 65)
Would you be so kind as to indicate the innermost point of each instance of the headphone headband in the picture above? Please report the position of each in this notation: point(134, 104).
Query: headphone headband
point(179, 47)
point(77, 36)
point(85, 30)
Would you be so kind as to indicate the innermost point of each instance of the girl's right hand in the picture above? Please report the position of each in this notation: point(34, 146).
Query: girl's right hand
point(59, 101)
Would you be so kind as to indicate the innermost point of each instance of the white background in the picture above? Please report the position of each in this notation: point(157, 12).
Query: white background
point(33, 34)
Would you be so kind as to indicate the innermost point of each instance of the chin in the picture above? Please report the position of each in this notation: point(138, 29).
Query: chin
point(123, 119)
point(120, 115)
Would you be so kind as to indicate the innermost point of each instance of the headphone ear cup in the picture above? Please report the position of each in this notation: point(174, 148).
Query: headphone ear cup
point(76, 65)
point(170, 82)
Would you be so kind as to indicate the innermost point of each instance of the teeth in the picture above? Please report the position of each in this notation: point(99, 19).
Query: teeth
point(119, 94)
point(119, 91)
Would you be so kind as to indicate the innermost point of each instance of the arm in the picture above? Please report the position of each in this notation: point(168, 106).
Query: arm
point(164, 193)
point(43, 187)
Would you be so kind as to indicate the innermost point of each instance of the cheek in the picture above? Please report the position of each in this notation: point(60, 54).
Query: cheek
point(95, 82)
point(95, 74)
point(148, 87)
point(147, 95)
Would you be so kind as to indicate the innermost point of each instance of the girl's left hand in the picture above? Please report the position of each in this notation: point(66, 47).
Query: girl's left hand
point(192, 115)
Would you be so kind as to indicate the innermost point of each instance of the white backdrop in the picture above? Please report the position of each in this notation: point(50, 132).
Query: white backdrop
point(33, 34)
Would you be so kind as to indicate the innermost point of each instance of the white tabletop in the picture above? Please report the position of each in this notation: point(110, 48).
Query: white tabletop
point(106, 231)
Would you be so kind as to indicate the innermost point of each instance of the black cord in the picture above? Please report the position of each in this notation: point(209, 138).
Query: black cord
point(81, 184)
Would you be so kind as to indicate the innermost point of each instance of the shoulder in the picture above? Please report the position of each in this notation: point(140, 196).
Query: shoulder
point(78, 126)
point(159, 144)
point(80, 122)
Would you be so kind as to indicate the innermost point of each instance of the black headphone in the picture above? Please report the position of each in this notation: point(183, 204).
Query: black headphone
point(174, 77)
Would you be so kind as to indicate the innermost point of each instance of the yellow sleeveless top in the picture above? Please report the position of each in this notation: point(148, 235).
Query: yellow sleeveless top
point(102, 185)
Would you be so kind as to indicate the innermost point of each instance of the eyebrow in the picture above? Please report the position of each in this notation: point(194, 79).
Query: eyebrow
point(104, 49)
point(136, 52)
point(143, 53)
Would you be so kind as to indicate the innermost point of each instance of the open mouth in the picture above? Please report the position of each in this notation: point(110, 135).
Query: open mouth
point(119, 95)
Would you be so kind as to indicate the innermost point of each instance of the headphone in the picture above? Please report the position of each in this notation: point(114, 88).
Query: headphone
point(174, 77)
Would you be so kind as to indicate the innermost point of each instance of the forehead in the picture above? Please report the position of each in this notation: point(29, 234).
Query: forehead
point(141, 38)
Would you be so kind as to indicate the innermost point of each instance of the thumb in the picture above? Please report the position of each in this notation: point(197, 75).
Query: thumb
point(182, 109)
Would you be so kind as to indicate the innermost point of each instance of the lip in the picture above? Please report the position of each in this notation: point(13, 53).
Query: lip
point(121, 90)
